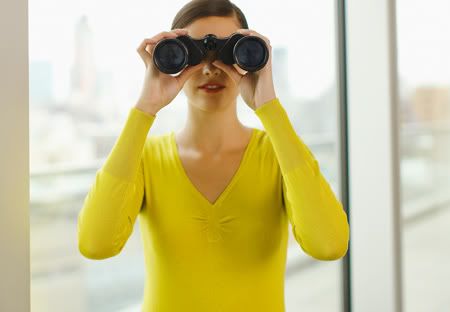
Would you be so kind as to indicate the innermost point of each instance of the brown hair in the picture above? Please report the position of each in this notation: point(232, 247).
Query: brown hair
point(196, 9)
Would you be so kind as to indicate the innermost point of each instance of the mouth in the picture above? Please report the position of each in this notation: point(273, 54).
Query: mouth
point(212, 88)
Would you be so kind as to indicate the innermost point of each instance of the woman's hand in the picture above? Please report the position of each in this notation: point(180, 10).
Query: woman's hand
point(256, 88)
point(160, 89)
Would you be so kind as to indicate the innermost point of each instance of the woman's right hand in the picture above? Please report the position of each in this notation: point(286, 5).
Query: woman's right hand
point(160, 89)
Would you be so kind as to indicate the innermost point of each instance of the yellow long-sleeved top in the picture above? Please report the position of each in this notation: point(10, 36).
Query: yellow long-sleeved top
point(228, 255)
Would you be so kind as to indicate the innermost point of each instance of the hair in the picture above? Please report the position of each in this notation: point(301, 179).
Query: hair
point(196, 9)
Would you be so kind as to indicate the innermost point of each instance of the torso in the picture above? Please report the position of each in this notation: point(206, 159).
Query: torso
point(211, 174)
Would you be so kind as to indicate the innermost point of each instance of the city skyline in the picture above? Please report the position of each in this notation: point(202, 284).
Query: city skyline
point(318, 56)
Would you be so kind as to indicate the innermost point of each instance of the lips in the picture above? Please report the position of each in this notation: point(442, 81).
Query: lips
point(218, 85)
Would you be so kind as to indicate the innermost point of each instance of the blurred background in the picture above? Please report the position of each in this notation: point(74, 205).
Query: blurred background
point(85, 75)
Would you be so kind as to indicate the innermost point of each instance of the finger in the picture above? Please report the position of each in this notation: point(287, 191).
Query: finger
point(165, 34)
point(251, 32)
point(244, 31)
point(240, 70)
point(145, 49)
point(221, 66)
point(187, 73)
point(230, 70)
point(142, 49)
point(180, 30)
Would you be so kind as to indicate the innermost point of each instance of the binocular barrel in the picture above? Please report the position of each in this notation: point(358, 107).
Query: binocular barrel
point(172, 55)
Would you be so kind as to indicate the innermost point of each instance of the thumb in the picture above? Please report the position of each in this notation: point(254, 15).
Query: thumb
point(222, 66)
point(229, 70)
point(187, 73)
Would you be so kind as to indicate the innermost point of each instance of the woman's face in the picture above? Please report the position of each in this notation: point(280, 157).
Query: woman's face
point(221, 27)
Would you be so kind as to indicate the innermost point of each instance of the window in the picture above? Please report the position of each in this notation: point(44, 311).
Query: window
point(424, 86)
point(85, 75)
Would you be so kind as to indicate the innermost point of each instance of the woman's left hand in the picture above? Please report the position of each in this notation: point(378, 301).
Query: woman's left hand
point(256, 88)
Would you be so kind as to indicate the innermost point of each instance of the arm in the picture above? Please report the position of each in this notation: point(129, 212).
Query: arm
point(115, 198)
point(319, 222)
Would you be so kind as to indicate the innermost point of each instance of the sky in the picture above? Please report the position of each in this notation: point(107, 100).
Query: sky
point(305, 28)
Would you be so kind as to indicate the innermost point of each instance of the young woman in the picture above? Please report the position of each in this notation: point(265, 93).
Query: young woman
point(215, 199)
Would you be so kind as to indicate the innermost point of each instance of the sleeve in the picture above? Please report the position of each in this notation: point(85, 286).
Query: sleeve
point(319, 222)
point(115, 198)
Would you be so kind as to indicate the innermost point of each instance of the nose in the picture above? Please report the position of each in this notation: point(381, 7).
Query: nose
point(209, 69)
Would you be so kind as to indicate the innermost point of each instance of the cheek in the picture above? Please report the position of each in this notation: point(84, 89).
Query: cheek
point(188, 84)
point(190, 87)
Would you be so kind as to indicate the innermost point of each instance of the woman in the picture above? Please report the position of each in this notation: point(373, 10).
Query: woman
point(214, 200)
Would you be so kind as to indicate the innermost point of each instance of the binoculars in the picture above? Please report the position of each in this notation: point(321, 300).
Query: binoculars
point(171, 55)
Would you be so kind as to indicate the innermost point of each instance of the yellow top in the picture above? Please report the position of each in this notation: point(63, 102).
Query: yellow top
point(229, 255)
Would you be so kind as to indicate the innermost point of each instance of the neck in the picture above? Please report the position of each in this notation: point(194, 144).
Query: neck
point(213, 131)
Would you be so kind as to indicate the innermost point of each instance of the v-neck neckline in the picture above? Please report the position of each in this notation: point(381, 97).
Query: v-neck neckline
point(229, 186)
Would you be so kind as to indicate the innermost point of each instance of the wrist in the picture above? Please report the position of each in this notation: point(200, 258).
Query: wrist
point(264, 100)
point(146, 109)
point(265, 96)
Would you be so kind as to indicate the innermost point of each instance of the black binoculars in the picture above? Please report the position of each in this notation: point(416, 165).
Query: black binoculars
point(171, 55)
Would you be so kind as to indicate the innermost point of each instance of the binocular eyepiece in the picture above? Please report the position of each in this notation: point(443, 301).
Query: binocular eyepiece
point(172, 55)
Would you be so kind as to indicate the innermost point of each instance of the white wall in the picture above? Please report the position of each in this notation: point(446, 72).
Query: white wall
point(14, 158)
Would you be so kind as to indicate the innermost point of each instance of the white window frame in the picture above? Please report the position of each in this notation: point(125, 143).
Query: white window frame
point(374, 169)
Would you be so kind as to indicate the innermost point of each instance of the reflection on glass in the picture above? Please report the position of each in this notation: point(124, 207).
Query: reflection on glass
point(424, 80)
point(85, 74)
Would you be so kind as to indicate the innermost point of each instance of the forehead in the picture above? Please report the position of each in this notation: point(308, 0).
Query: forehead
point(220, 26)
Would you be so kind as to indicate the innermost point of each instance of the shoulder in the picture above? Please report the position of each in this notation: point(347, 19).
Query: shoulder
point(263, 140)
point(263, 145)
point(156, 144)
point(264, 159)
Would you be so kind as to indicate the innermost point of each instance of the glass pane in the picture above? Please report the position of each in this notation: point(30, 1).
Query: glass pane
point(304, 66)
point(424, 81)
point(85, 75)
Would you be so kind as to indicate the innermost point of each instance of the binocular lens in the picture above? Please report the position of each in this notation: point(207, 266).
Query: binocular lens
point(250, 53)
point(170, 56)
